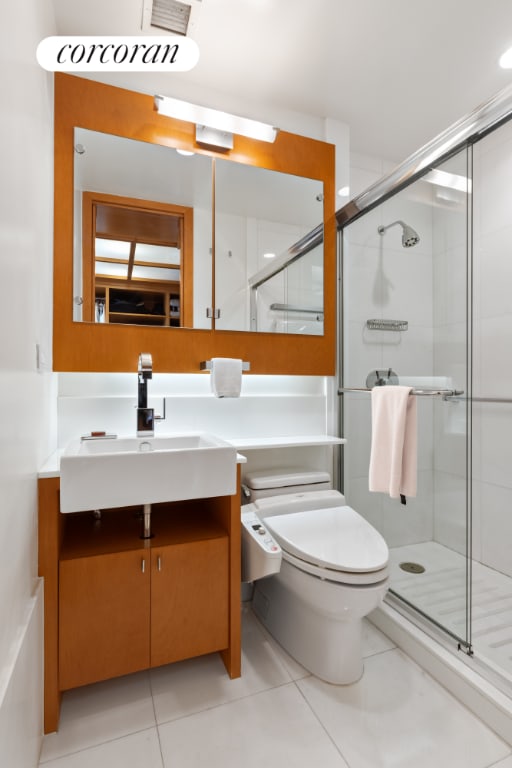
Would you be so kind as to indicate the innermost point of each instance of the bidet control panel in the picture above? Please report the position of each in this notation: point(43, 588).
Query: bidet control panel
point(259, 533)
point(261, 554)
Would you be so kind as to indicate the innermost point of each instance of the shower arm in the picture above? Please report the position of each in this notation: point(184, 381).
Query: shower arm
point(381, 229)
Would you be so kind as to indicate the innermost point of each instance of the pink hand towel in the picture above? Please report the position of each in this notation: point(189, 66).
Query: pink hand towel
point(393, 458)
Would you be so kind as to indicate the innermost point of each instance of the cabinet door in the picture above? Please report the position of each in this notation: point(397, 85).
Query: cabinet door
point(189, 600)
point(104, 608)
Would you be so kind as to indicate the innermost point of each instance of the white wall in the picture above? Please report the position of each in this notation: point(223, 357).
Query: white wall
point(25, 394)
point(492, 364)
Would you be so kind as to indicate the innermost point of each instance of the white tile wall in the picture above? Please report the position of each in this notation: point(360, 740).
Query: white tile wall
point(425, 285)
point(384, 280)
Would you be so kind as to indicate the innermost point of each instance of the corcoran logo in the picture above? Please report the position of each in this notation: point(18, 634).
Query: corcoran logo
point(117, 54)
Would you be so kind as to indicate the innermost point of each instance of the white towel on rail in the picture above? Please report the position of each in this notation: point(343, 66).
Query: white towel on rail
point(393, 458)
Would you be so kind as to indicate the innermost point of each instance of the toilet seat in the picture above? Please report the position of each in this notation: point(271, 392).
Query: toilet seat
point(334, 543)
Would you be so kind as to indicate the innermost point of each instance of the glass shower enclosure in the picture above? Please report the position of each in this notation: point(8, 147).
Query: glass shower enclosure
point(425, 297)
point(405, 298)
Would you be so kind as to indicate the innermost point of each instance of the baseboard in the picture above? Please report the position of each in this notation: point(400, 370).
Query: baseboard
point(21, 690)
point(482, 697)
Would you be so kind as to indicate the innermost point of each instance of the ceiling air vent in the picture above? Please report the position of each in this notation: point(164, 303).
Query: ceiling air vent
point(171, 15)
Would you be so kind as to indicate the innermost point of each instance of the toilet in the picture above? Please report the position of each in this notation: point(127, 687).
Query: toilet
point(318, 569)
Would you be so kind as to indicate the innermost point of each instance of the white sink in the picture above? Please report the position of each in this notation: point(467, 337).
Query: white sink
point(98, 474)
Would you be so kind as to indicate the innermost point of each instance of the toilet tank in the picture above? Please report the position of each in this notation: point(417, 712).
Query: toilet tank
point(275, 482)
point(285, 504)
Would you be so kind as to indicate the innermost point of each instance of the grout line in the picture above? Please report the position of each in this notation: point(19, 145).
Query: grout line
point(156, 721)
point(499, 762)
point(317, 718)
point(381, 652)
point(225, 703)
point(94, 746)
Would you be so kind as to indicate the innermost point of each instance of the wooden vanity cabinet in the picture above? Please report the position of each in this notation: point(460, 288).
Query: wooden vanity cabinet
point(116, 604)
point(189, 600)
point(120, 612)
point(104, 615)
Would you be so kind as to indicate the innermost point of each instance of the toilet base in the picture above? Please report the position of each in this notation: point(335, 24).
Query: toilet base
point(324, 635)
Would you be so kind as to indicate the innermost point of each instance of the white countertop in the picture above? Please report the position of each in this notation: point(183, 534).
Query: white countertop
point(51, 467)
point(251, 443)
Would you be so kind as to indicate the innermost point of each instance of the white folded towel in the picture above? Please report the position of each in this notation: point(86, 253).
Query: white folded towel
point(226, 377)
point(393, 458)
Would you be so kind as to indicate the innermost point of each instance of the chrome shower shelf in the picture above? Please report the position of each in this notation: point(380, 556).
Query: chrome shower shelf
point(387, 325)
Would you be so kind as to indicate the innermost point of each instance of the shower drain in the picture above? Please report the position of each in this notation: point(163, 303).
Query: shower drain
point(412, 567)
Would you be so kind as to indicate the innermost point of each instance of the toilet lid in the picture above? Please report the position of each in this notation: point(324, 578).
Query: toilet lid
point(337, 538)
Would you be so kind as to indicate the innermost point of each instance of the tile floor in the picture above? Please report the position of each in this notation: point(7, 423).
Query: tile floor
point(191, 715)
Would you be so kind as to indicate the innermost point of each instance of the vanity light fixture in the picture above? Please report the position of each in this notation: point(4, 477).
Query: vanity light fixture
point(214, 128)
point(506, 59)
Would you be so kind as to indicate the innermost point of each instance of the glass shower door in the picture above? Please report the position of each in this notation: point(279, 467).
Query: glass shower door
point(405, 265)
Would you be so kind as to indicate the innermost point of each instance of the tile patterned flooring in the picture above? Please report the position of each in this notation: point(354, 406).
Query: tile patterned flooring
point(191, 715)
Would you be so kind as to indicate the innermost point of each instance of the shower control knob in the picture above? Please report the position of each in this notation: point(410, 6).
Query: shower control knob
point(261, 531)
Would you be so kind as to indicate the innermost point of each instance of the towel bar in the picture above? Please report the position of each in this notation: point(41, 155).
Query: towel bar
point(418, 392)
point(297, 308)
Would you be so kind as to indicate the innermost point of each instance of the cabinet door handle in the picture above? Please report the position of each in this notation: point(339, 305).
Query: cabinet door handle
point(159, 563)
point(143, 565)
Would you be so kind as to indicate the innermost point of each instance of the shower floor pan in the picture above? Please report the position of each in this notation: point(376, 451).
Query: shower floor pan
point(440, 593)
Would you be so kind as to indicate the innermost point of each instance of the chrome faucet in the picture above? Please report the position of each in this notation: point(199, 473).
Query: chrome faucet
point(145, 415)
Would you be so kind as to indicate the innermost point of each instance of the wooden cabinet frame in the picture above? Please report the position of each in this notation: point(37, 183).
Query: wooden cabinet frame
point(79, 346)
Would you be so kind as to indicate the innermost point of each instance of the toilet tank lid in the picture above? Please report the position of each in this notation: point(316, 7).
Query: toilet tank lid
point(281, 478)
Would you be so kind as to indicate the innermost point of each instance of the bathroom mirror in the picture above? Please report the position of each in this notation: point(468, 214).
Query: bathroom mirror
point(142, 275)
point(157, 273)
point(264, 279)
point(83, 105)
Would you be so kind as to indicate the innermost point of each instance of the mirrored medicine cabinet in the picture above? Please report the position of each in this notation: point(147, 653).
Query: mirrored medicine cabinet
point(187, 256)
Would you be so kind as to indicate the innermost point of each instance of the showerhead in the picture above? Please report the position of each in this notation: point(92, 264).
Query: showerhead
point(409, 236)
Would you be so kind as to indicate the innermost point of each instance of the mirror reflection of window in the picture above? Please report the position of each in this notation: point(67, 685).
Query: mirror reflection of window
point(133, 253)
point(157, 265)
point(143, 173)
point(155, 262)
